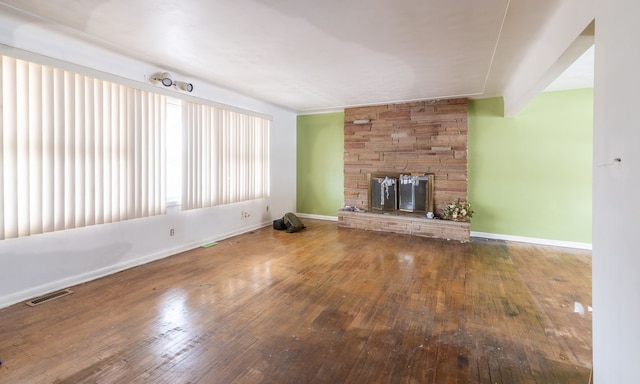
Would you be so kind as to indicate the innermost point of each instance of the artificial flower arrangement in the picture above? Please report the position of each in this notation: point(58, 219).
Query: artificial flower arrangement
point(458, 210)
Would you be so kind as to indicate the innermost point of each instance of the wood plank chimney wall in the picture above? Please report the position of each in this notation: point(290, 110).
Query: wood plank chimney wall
point(425, 136)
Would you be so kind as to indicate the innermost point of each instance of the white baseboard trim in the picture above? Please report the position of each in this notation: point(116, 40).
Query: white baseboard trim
point(26, 294)
point(317, 217)
point(531, 240)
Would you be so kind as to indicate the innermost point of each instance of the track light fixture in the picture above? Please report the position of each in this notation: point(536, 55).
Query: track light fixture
point(162, 77)
point(167, 81)
point(183, 86)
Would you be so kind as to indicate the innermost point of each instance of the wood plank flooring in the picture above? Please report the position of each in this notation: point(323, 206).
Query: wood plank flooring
point(325, 305)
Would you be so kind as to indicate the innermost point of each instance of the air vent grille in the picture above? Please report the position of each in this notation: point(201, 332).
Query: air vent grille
point(48, 297)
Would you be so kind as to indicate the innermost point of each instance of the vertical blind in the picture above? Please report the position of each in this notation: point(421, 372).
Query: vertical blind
point(76, 151)
point(225, 156)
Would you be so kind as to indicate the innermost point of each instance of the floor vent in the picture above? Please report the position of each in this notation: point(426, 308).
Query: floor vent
point(48, 297)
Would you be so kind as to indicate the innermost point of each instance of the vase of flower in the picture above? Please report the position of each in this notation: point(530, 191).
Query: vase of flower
point(458, 211)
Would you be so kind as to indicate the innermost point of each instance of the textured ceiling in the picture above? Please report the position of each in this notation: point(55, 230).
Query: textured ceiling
point(315, 55)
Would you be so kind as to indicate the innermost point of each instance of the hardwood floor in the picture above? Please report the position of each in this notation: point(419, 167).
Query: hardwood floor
point(325, 305)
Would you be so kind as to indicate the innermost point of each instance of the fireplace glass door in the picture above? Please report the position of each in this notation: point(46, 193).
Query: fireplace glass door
point(383, 192)
point(413, 193)
point(398, 192)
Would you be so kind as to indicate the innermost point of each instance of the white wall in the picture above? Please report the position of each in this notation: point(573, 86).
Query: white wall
point(616, 194)
point(39, 264)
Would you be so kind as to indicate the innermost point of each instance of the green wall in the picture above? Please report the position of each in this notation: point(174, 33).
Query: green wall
point(530, 175)
point(320, 165)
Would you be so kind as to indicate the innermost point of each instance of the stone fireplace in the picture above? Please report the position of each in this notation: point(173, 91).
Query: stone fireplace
point(410, 139)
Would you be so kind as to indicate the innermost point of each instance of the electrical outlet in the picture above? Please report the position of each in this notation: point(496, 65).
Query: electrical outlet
point(172, 232)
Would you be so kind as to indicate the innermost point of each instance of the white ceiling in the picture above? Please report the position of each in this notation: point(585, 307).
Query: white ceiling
point(315, 55)
point(578, 75)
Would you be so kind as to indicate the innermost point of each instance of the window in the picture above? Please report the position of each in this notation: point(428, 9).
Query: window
point(226, 156)
point(76, 151)
point(174, 151)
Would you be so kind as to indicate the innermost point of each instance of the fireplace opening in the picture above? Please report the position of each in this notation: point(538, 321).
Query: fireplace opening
point(393, 192)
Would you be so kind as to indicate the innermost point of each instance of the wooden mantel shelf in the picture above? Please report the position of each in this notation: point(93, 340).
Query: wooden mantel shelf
point(405, 224)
